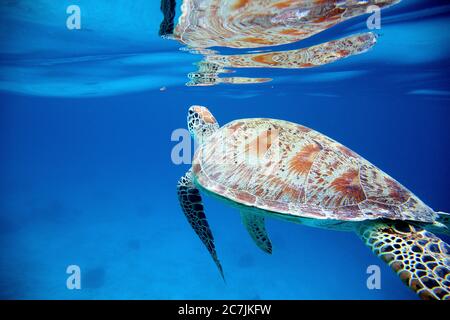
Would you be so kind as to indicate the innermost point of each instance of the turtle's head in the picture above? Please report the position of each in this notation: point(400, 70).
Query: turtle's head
point(201, 123)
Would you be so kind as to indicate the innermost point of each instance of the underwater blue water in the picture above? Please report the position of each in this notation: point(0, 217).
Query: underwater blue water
point(85, 153)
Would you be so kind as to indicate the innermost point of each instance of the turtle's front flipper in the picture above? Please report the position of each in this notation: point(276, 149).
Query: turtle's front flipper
point(191, 203)
point(421, 259)
point(255, 226)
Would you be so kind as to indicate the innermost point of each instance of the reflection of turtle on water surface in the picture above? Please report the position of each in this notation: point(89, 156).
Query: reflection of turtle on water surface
point(274, 168)
point(208, 75)
point(257, 23)
point(262, 23)
point(324, 53)
point(313, 56)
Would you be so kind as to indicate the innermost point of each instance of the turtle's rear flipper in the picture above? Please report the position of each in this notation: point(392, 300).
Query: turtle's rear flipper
point(191, 203)
point(420, 259)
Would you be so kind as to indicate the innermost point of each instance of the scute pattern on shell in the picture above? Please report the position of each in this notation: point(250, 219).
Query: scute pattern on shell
point(287, 168)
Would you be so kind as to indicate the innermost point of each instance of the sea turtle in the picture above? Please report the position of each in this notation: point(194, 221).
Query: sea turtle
point(275, 168)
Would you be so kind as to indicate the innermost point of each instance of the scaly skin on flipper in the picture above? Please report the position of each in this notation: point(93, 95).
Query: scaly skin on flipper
point(191, 203)
point(255, 226)
point(421, 260)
